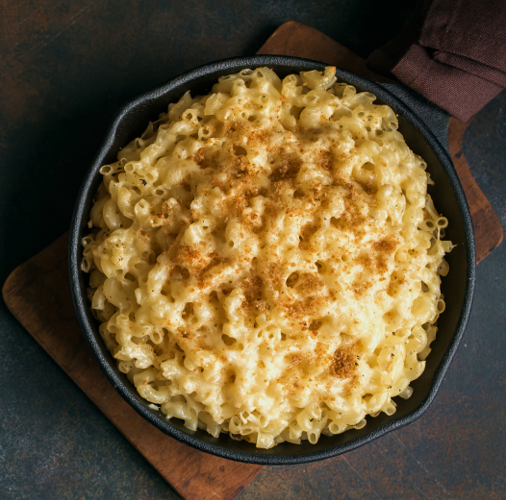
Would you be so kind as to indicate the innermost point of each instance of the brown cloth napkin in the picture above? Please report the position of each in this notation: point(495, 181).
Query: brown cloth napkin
point(451, 51)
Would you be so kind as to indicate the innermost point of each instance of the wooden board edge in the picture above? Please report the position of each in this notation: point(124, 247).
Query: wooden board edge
point(12, 282)
point(344, 58)
point(9, 287)
point(486, 222)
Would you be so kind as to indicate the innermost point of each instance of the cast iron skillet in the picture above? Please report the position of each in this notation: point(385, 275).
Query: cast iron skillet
point(424, 127)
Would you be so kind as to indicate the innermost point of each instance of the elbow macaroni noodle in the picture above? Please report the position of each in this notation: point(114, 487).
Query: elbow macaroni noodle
point(265, 260)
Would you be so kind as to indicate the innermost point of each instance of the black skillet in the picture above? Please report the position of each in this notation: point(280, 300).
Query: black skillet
point(424, 127)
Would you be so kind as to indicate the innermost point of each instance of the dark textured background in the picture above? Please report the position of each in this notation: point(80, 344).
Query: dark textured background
point(65, 68)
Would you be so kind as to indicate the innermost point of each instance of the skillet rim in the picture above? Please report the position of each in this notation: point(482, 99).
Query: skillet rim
point(264, 457)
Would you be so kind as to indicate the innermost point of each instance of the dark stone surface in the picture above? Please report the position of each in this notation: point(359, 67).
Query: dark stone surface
point(65, 69)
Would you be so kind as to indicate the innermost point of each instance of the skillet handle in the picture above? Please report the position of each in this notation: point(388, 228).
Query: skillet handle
point(436, 119)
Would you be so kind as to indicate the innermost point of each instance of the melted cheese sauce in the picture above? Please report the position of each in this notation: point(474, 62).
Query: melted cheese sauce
point(265, 259)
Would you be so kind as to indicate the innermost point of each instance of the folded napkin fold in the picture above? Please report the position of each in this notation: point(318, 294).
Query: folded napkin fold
point(451, 51)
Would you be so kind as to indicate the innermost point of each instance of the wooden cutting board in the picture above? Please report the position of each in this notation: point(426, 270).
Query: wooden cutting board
point(38, 295)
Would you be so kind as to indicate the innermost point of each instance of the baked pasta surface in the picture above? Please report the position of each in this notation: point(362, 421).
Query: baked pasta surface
point(265, 260)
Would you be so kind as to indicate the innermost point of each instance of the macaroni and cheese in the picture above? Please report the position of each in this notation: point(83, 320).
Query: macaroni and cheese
point(265, 260)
